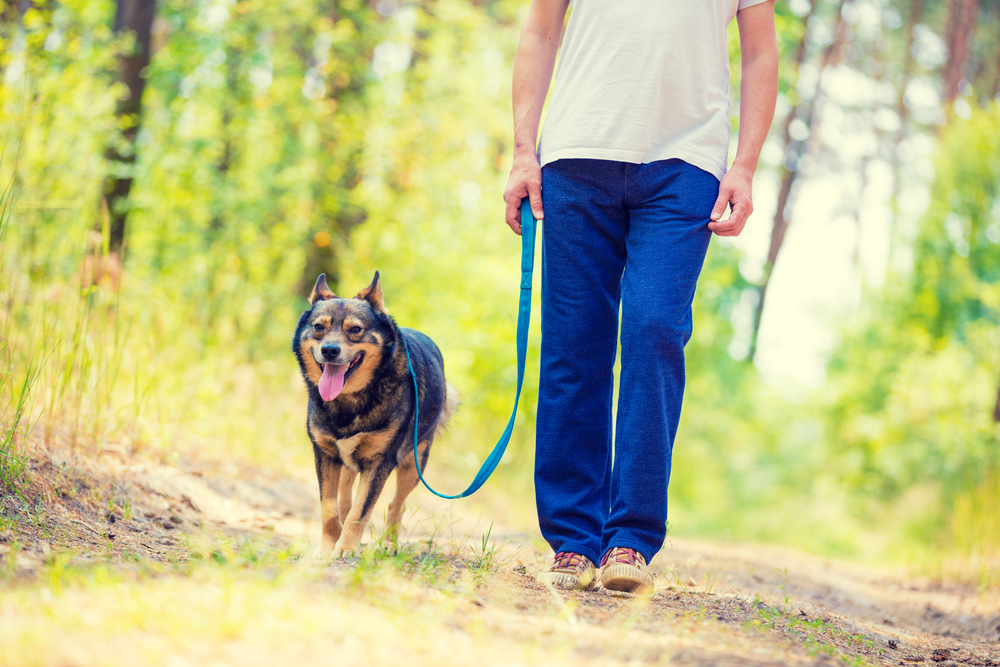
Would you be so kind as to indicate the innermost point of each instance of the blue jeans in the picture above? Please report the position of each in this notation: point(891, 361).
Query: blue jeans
point(634, 236)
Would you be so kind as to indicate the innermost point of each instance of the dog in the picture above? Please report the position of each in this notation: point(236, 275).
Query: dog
point(352, 355)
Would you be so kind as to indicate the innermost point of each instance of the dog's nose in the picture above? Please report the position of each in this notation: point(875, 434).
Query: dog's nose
point(330, 351)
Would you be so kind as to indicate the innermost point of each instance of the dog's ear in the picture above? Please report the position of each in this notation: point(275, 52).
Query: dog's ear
point(373, 295)
point(321, 292)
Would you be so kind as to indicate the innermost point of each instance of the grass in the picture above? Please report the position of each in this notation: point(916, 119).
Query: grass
point(975, 530)
point(258, 602)
point(818, 635)
point(15, 386)
point(253, 601)
point(712, 573)
point(445, 587)
point(487, 557)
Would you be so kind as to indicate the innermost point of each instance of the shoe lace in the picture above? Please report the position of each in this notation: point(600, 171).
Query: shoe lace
point(623, 555)
point(567, 560)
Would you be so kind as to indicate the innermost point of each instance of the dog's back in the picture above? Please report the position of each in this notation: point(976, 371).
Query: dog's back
point(428, 366)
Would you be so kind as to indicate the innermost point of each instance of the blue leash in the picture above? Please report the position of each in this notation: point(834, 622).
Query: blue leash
point(523, 317)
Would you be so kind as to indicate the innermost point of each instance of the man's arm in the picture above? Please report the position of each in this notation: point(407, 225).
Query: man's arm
point(758, 93)
point(533, 64)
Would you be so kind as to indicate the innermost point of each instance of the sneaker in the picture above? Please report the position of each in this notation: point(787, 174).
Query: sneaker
point(570, 570)
point(624, 569)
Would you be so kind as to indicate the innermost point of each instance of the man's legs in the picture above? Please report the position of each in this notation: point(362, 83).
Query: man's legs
point(602, 218)
point(669, 205)
point(583, 254)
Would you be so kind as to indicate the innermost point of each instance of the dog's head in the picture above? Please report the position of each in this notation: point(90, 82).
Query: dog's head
point(342, 341)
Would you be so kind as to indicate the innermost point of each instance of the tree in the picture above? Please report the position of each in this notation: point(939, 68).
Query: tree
point(343, 69)
point(995, 85)
point(796, 135)
point(133, 20)
point(959, 32)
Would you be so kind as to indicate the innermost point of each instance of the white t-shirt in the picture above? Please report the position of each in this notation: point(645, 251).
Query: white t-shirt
point(643, 80)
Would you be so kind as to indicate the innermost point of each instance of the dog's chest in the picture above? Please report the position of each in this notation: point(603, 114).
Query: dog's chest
point(358, 451)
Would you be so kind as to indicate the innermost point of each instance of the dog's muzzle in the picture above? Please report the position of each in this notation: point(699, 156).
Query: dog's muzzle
point(331, 383)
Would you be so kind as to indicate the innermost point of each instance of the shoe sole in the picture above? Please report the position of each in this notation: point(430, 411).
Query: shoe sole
point(564, 581)
point(626, 578)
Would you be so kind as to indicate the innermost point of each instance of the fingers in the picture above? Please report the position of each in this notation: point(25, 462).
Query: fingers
point(721, 203)
point(741, 211)
point(525, 181)
point(742, 207)
point(535, 196)
point(512, 214)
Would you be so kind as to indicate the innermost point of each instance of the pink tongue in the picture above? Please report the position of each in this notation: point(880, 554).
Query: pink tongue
point(332, 382)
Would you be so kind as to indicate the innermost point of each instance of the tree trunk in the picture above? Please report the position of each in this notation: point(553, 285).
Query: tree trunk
point(996, 409)
point(902, 111)
point(9, 16)
point(961, 21)
point(916, 16)
point(10, 23)
point(335, 217)
point(133, 17)
point(995, 87)
point(231, 104)
point(795, 150)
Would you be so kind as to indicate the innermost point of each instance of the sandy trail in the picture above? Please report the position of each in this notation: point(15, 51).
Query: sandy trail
point(715, 603)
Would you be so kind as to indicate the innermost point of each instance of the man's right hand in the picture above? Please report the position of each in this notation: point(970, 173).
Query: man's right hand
point(525, 181)
point(533, 65)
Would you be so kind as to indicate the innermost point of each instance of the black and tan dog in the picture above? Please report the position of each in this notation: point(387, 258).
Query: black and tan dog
point(361, 406)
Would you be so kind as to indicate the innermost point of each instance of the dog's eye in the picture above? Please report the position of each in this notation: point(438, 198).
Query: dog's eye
point(354, 331)
point(318, 328)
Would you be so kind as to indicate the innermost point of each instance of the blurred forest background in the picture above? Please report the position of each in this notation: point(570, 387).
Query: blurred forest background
point(177, 173)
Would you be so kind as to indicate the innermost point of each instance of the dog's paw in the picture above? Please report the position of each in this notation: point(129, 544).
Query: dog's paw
point(325, 551)
point(338, 554)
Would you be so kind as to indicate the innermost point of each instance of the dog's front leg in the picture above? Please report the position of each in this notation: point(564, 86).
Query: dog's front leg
point(370, 486)
point(344, 492)
point(406, 480)
point(328, 474)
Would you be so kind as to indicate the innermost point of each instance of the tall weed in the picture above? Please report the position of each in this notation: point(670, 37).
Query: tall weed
point(975, 529)
point(16, 379)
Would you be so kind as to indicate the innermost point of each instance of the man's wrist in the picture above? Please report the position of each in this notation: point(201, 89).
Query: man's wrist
point(525, 149)
point(744, 166)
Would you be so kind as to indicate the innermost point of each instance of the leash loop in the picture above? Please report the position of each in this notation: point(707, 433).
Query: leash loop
point(523, 318)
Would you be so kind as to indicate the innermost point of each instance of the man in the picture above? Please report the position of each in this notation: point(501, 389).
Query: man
point(631, 168)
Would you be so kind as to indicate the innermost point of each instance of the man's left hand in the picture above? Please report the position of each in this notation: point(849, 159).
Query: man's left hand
point(734, 190)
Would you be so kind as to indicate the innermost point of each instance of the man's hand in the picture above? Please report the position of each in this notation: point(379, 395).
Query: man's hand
point(734, 190)
point(758, 91)
point(533, 65)
point(525, 181)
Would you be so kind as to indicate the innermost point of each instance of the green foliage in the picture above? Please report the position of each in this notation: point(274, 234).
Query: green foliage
point(280, 140)
point(918, 416)
point(956, 277)
point(898, 453)
point(270, 132)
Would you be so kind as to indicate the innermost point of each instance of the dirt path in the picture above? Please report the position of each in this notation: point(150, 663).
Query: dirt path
point(715, 603)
